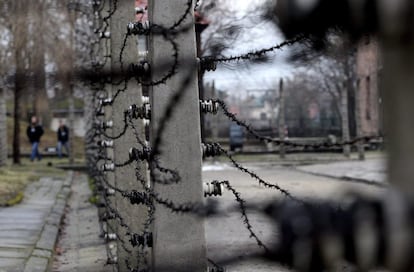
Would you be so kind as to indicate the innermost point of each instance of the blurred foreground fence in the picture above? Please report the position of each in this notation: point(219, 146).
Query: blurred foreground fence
point(144, 153)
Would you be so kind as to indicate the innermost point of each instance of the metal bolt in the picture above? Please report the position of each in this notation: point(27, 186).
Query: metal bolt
point(130, 26)
point(144, 240)
point(206, 64)
point(110, 192)
point(105, 102)
point(209, 106)
point(138, 28)
point(108, 167)
point(107, 124)
point(136, 154)
point(106, 34)
point(216, 269)
point(145, 99)
point(106, 144)
point(213, 189)
point(143, 112)
point(101, 112)
point(140, 10)
point(110, 236)
point(211, 150)
point(142, 69)
point(143, 54)
point(107, 216)
point(112, 260)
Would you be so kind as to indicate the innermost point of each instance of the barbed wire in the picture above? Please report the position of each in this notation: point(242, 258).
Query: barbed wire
point(254, 54)
point(243, 211)
point(266, 139)
point(145, 159)
point(258, 178)
point(186, 13)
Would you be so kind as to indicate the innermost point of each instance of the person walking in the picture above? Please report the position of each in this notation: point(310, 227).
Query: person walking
point(63, 138)
point(34, 133)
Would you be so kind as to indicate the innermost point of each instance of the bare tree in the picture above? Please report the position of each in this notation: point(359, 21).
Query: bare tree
point(40, 102)
point(35, 38)
point(5, 57)
point(19, 31)
point(333, 71)
point(65, 62)
point(282, 120)
point(227, 25)
point(310, 110)
point(3, 127)
point(25, 34)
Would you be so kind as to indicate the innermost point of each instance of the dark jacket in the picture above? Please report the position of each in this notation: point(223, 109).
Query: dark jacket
point(34, 133)
point(63, 134)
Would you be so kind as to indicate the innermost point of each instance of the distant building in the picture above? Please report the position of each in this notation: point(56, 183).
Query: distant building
point(368, 95)
point(310, 115)
point(261, 111)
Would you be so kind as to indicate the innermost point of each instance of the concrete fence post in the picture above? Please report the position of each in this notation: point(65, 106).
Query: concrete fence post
point(398, 82)
point(179, 240)
point(108, 225)
point(125, 179)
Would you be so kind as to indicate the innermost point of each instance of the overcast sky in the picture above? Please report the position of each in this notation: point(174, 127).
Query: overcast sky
point(238, 78)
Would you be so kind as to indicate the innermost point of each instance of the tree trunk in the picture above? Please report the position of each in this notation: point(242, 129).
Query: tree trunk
point(20, 44)
point(16, 120)
point(3, 128)
point(69, 83)
point(358, 121)
point(40, 99)
point(345, 121)
point(71, 125)
point(282, 123)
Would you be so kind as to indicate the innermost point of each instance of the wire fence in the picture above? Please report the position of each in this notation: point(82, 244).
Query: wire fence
point(307, 249)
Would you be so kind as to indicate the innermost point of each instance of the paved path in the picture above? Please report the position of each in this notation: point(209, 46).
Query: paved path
point(368, 171)
point(228, 241)
point(28, 231)
point(79, 248)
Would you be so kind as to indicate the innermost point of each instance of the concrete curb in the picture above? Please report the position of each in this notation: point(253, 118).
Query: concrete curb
point(42, 253)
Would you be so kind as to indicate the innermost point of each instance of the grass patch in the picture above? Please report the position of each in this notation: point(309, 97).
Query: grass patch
point(15, 200)
point(92, 185)
point(14, 178)
point(94, 198)
point(12, 183)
